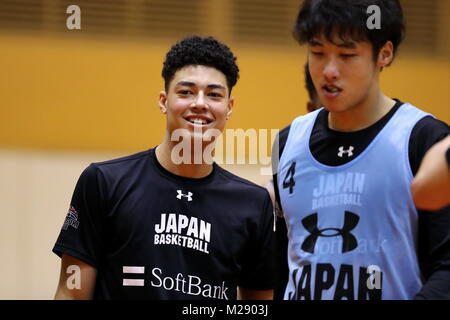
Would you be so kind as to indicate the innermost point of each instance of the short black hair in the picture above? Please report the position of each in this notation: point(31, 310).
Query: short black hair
point(347, 19)
point(205, 51)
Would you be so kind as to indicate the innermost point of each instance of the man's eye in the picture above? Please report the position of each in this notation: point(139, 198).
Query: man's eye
point(348, 55)
point(317, 53)
point(215, 95)
point(184, 92)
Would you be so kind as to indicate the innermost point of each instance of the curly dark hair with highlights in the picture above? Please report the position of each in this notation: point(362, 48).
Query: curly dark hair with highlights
point(195, 50)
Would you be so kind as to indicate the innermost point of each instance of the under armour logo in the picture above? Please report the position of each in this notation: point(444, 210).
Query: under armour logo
point(349, 152)
point(188, 195)
point(349, 241)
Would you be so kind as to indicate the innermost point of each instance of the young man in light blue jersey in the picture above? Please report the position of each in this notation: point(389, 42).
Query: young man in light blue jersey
point(344, 172)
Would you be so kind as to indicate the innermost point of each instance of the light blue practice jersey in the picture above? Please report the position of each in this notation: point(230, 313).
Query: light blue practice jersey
point(352, 228)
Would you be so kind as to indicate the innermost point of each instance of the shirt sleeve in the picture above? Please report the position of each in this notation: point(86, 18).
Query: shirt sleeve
point(277, 150)
point(434, 253)
point(80, 235)
point(281, 259)
point(427, 132)
point(281, 240)
point(258, 266)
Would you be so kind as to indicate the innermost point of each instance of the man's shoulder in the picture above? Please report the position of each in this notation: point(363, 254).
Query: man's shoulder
point(428, 130)
point(284, 133)
point(118, 168)
point(431, 126)
point(238, 184)
point(426, 119)
point(124, 161)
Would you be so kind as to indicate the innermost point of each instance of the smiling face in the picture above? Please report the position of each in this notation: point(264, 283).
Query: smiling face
point(197, 100)
point(344, 73)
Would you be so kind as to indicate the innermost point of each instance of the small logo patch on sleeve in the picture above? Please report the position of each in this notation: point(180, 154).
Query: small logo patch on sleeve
point(71, 219)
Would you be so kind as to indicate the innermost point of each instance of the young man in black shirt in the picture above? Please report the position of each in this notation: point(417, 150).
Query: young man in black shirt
point(350, 227)
point(148, 226)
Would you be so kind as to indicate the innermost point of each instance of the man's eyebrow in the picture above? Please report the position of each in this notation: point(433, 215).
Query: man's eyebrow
point(216, 86)
point(315, 43)
point(193, 84)
point(347, 44)
point(186, 83)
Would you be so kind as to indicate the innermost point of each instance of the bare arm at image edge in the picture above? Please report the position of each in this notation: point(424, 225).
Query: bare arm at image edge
point(77, 280)
point(431, 185)
point(247, 294)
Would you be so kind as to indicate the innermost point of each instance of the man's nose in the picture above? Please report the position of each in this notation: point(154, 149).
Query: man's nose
point(331, 70)
point(200, 101)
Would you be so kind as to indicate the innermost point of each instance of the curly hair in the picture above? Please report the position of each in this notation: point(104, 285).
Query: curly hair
point(347, 19)
point(195, 50)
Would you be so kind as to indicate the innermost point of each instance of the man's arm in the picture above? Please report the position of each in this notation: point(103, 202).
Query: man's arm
point(247, 294)
point(76, 281)
point(80, 241)
point(431, 186)
point(433, 226)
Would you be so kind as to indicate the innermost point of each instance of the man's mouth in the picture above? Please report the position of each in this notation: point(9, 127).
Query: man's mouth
point(198, 120)
point(332, 89)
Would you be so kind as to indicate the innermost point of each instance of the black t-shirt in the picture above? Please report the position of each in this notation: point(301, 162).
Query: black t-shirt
point(155, 235)
point(434, 227)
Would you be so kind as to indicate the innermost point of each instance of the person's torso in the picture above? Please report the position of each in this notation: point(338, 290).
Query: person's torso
point(172, 238)
point(352, 228)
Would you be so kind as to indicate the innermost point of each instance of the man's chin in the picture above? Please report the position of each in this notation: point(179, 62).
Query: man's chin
point(335, 108)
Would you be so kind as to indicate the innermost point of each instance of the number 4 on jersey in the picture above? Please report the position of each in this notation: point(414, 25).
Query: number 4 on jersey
point(288, 181)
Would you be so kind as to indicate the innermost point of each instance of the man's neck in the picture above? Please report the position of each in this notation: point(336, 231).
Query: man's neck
point(195, 171)
point(362, 115)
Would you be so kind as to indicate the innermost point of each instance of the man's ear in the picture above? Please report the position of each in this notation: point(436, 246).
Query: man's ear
point(163, 102)
point(386, 55)
point(230, 107)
